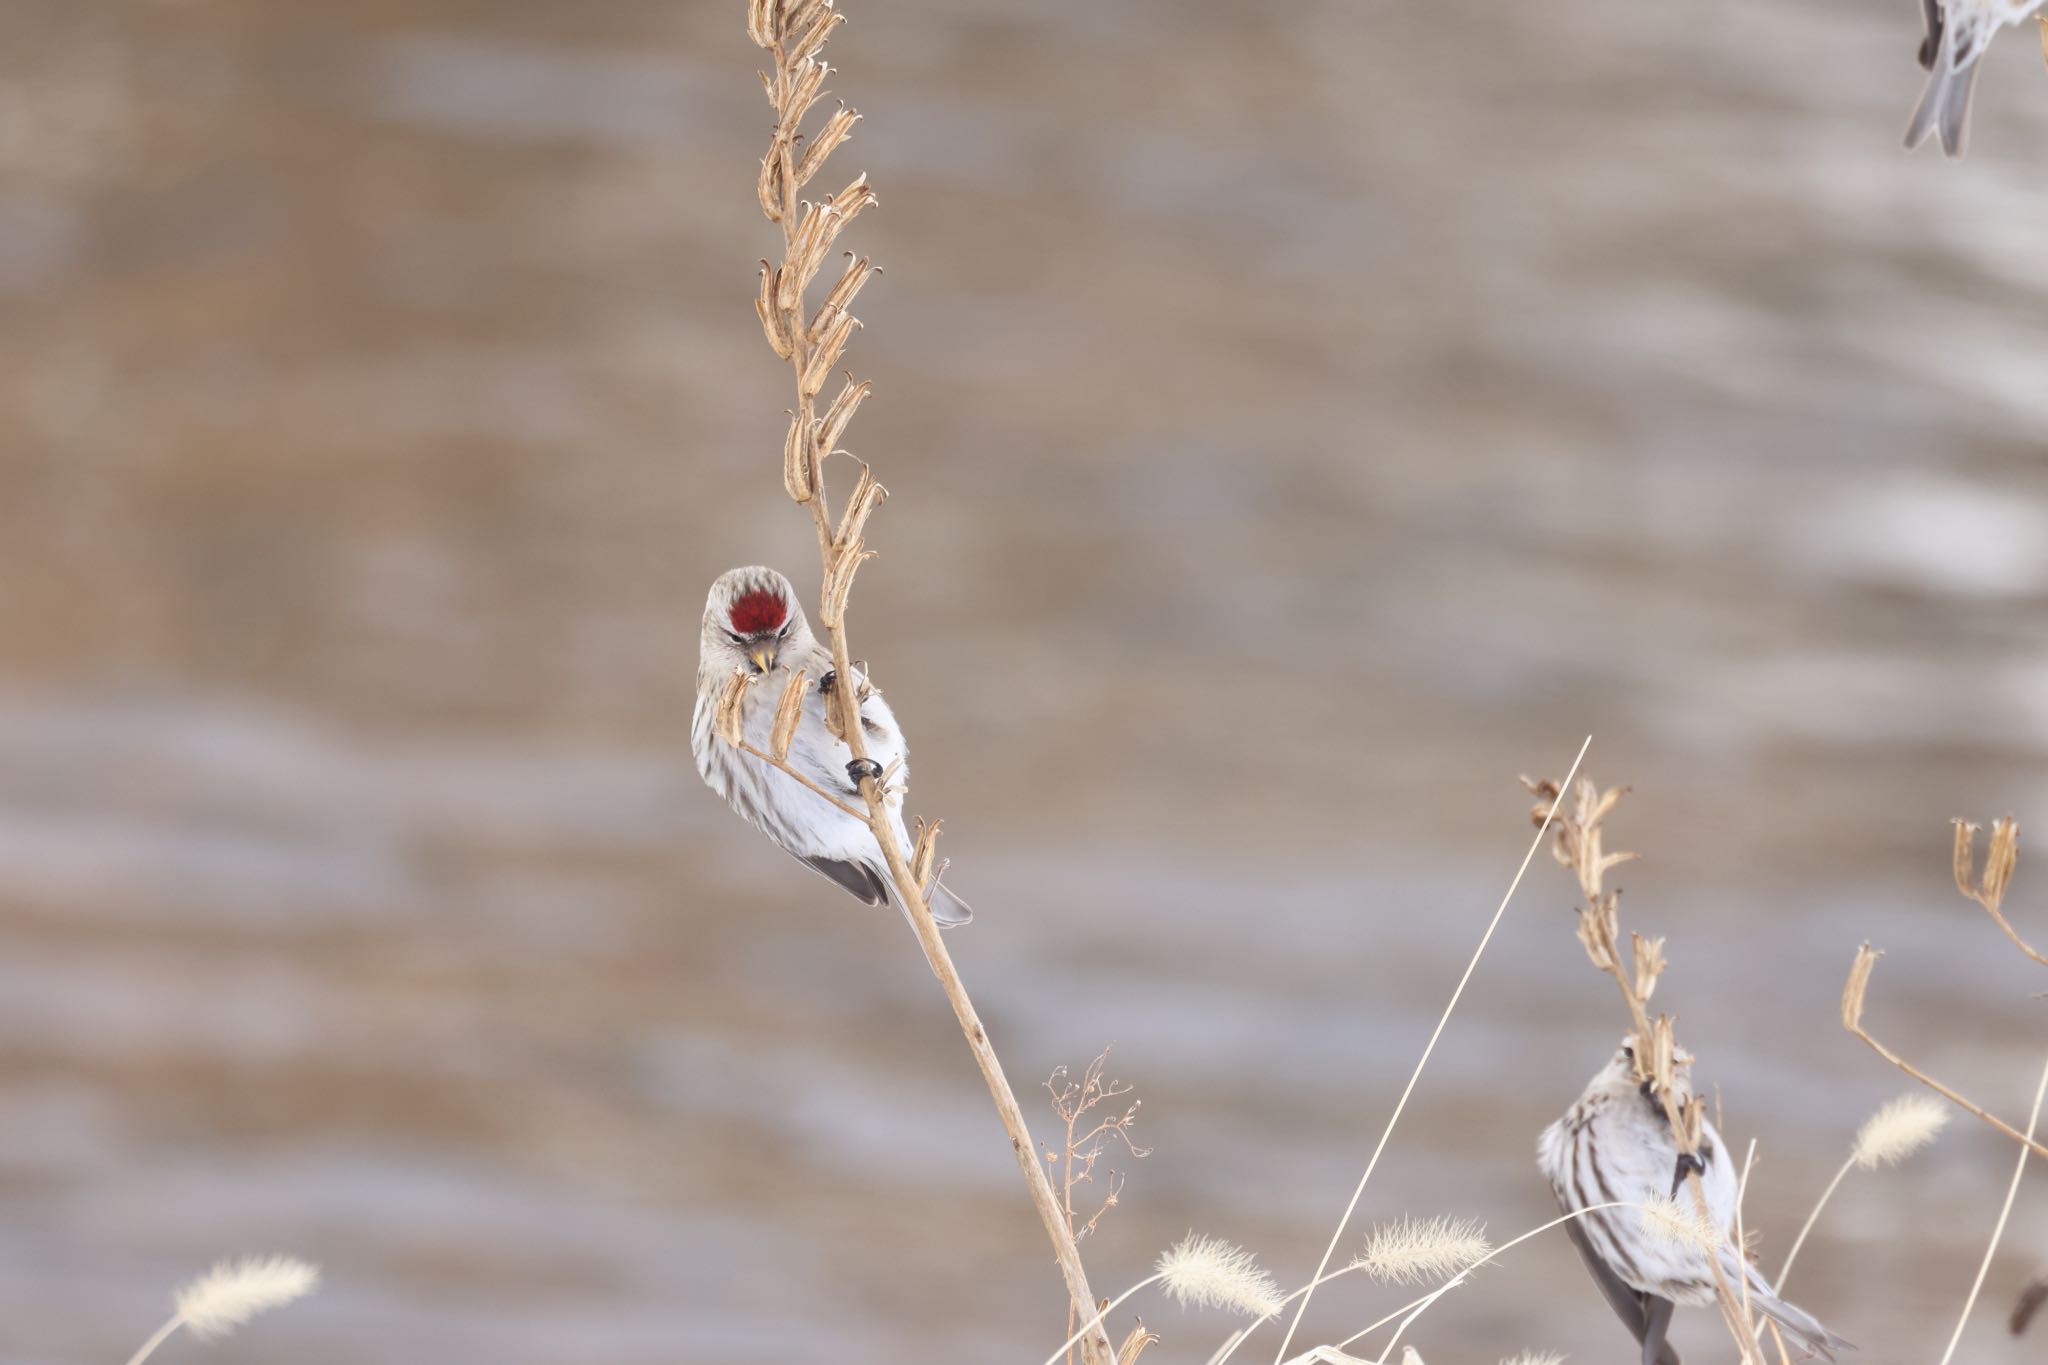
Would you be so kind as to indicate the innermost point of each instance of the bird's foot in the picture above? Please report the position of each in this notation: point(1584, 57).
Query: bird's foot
point(863, 767)
point(826, 683)
point(1688, 1164)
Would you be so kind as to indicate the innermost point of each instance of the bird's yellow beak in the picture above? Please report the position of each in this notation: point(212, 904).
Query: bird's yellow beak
point(763, 656)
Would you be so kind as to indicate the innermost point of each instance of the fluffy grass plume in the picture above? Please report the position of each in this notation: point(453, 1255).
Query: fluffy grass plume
point(1207, 1272)
point(1679, 1221)
point(1898, 1130)
point(1414, 1250)
point(235, 1291)
point(1535, 1358)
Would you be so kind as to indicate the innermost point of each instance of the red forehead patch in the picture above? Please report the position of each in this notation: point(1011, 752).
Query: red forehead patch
point(758, 612)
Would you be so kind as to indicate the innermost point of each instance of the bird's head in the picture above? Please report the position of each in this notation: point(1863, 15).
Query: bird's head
point(1620, 1073)
point(750, 619)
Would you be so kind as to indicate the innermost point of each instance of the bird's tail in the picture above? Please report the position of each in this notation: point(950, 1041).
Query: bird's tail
point(947, 909)
point(1801, 1329)
point(1945, 106)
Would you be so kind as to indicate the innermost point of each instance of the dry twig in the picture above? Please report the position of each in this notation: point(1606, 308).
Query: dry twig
point(1987, 888)
point(1072, 1103)
point(813, 341)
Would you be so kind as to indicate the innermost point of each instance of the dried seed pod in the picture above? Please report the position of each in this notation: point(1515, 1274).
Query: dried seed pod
point(841, 298)
point(1858, 983)
point(839, 582)
point(837, 129)
point(806, 83)
point(1135, 1344)
point(772, 317)
point(1999, 861)
point(799, 466)
point(1965, 856)
point(815, 34)
point(801, 260)
point(827, 354)
point(1650, 964)
point(924, 857)
point(729, 718)
point(833, 424)
point(1663, 1060)
point(770, 187)
point(788, 711)
point(798, 14)
point(867, 496)
point(761, 21)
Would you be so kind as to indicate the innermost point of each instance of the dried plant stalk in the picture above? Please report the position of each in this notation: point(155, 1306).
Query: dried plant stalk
point(1986, 887)
point(1085, 1142)
point(1580, 847)
point(794, 34)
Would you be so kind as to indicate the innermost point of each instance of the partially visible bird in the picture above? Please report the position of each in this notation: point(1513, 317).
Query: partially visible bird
point(1615, 1144)
point(754, 625)
point(1958, 32)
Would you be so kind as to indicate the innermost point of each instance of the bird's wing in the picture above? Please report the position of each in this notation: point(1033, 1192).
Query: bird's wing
point(862, 881)
point(1627, 1303)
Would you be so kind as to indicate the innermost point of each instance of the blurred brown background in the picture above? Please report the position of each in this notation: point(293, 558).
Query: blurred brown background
point(379, 391)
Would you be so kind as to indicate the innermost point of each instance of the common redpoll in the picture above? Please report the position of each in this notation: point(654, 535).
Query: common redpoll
point(1958, 32)
point(1615, 1144)
point(753, 625)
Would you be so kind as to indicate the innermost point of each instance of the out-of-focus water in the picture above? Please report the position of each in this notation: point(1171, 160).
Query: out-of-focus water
point(1301, 420)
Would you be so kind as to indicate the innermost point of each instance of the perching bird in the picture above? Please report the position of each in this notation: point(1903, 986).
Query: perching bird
point(1615, 1144)
point(1958, 32)
point(753, 625)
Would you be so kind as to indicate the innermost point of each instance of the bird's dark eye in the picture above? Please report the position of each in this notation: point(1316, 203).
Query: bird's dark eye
point(735, 637)
point(1629, 1053)
point(783, 634)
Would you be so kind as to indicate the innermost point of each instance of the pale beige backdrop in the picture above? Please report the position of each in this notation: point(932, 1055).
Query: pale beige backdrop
point(379, 391)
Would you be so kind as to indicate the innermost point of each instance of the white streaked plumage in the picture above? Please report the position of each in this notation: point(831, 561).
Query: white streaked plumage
point(754, 624)
point(1967, 28)
point(1613, 1145)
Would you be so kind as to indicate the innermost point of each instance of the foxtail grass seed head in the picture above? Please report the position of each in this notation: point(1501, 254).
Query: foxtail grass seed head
point(1898, 1130)
point(233, 1292)
point(1680, 1222)
point(1413, 1250)
point(1207, 1272)
point(1856, 987)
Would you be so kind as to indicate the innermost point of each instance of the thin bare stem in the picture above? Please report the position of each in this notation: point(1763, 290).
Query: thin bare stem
point(162, 1333)
point(1416, 1076)
point(1852, 1019)
point(1811, 1219)
point(788, 771)
point(2005, 1211)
